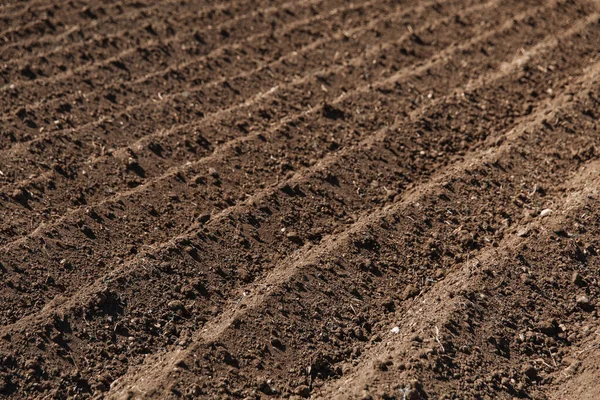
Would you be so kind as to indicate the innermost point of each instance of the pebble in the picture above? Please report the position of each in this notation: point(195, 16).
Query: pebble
point(375, 339)
point(526, 279)
point(545, 212)
point(396, 329)
point(583, 300)
point(523, 232)
point(415, 384)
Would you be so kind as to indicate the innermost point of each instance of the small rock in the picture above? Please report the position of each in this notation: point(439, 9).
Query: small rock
point(573, 367)
point(199, 180)
point(425, 353)
point(100, 387)
point(582, 300)
point(545, 212)
point(526, 279)
point(415, 384)
point(415, 391)
point(358, 333)
point(396, 329)
point(375, 339)
point(523, 232)
point(527, 109)
point(365, 395)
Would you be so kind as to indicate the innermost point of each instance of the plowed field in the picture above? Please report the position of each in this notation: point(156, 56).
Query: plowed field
point(326, 199)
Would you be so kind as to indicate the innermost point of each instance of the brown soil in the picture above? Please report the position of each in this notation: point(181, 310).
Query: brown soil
point(250, 199)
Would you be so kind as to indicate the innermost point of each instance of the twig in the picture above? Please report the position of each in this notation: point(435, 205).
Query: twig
point(437, 338)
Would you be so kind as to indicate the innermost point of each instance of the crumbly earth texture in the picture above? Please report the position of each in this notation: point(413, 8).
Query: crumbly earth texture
point(326, 199)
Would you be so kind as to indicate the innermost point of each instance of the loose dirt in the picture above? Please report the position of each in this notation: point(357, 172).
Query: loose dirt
point(251, 199)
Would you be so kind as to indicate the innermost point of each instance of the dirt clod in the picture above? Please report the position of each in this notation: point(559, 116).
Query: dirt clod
point(409, 292)
point(176, 305)
point(294, 237)
point(577, 279)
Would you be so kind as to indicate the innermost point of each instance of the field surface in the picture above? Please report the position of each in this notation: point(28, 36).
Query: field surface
point(326, 199)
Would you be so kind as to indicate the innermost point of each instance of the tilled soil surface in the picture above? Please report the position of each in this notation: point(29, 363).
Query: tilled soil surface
point(250, 199)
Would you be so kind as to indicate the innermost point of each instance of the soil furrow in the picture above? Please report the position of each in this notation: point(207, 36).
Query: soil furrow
point(170, 79)
point(370, 199)
point(231, 152)
point(47, 23)
point(104, 24)
point(215, 253)
point(155, 52)
point(138, 144)
point(86, 37)
point(505, 167)
point(478, 290)
point(108, 98)
point(170, 173)
point(111, 40)
point(76, 25)
point(188, 160)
